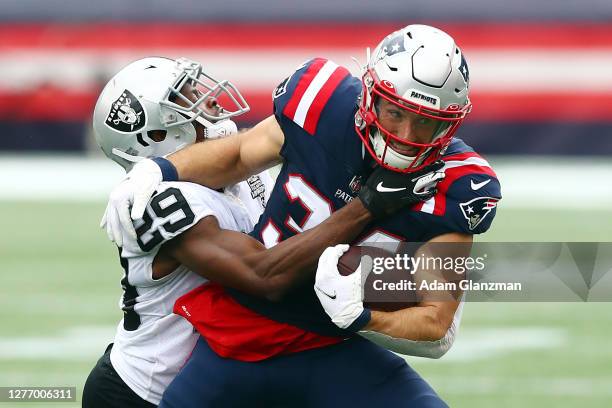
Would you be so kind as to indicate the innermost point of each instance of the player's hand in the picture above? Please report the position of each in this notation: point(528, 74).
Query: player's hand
point(137, 187)
point(340, 296)
point(387, 191)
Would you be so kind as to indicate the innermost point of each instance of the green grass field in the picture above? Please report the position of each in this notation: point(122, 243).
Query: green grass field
point(60, 287)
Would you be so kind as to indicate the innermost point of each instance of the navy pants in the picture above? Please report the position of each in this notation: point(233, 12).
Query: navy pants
point(354, 373)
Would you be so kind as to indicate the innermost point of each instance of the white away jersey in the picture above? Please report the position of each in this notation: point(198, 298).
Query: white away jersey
point(152, 343)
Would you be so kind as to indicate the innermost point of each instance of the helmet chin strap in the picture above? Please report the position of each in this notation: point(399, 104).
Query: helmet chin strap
point(221, 129)
point(378, 144)
point(215, 130)
point(126, 156)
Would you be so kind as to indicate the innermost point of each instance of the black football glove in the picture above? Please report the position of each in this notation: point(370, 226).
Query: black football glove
point(387, 191)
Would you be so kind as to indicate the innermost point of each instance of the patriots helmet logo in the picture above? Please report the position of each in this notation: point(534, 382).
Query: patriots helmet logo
point(477, 209)
point(391, 45)
point(465, 72)
point(126, 114)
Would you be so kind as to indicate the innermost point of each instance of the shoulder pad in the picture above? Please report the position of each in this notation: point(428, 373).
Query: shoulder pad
point(303, 95)
point(173, 209)
point(467, 198)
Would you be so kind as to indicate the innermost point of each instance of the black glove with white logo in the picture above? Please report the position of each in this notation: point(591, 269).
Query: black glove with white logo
point(387, 191)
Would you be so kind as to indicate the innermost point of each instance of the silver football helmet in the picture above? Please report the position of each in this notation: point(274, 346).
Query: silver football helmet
point(155, 106)
point(419, 69)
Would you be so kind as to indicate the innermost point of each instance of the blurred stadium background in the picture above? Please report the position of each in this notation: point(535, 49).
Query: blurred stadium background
point(542, 91)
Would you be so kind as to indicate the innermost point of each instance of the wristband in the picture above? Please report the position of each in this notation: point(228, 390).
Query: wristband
point(168, 171)
point(361, 322)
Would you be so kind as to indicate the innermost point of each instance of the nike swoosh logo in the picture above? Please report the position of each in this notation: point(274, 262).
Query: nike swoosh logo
point(332, 297)
point(382, 189)
point(477, 186)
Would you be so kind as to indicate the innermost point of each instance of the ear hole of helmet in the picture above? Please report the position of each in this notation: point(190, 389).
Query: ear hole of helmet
point(157, 135)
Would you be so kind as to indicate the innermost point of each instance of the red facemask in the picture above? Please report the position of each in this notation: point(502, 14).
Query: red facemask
point(367, 122)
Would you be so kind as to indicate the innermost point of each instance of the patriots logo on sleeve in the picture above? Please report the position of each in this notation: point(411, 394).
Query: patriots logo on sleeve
point(281, 88)
point(468, 197)
point(477, 209)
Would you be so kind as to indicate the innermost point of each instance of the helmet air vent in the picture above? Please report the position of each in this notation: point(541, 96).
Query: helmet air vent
point(394, 69)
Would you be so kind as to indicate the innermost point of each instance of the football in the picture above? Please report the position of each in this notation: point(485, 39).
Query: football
point(348, 263)
point(378, 294)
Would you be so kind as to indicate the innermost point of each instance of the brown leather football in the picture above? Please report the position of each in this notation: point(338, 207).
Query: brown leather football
point(348, 263)
point(375, 298)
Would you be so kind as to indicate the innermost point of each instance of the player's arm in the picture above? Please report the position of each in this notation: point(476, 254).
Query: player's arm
point(431, 318)
point(430, 322)
point(427, 329)
point(220, 162)
point(213, 163)
point(239, 261)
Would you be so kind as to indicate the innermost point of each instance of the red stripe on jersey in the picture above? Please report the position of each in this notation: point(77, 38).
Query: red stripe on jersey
point(302, 86)
point(453, 174)
point(418, 206)
point(320, 100)
point(236, 332)
point(454, 157)
point(461, 156)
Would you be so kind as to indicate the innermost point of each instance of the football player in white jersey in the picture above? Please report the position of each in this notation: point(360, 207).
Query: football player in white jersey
point(153, 107)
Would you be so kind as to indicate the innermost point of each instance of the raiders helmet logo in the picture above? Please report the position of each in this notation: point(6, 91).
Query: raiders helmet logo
point(126, 114)
point(477, 209)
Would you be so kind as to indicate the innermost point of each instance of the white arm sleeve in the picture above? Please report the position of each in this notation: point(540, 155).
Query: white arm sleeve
point(429, 349)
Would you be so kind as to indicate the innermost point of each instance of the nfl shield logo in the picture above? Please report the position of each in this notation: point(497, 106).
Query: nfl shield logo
point(355, 184)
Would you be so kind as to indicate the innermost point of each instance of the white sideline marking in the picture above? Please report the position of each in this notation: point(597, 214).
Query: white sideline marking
point(84, 342)
point(80, 343)
point(527, 385)
point(481, 344)
point(60, 178)
point(526, 183)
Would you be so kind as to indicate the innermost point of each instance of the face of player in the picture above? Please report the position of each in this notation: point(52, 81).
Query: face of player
point(408, 126)
point(210, 106)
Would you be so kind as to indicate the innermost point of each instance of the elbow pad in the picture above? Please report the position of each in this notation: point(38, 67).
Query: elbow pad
point(428, 349)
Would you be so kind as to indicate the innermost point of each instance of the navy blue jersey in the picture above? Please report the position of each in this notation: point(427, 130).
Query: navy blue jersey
point(324, 166)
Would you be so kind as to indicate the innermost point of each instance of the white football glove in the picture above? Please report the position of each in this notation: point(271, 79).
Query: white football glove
point(340, 296)
point(137, 187)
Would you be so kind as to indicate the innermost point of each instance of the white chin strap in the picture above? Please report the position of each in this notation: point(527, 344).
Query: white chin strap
point(216, 130)
point(392, 158)
point(126, 156)
point(221, 129)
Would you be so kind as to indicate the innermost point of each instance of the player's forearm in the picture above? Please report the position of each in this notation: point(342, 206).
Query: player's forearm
point(221, 162)
point(431, 318)
point(214, 163)
point(419, 323)
point(293, 261)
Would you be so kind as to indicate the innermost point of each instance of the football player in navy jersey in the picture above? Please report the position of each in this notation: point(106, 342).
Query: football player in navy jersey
point(331, 131)
point(156, 106)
